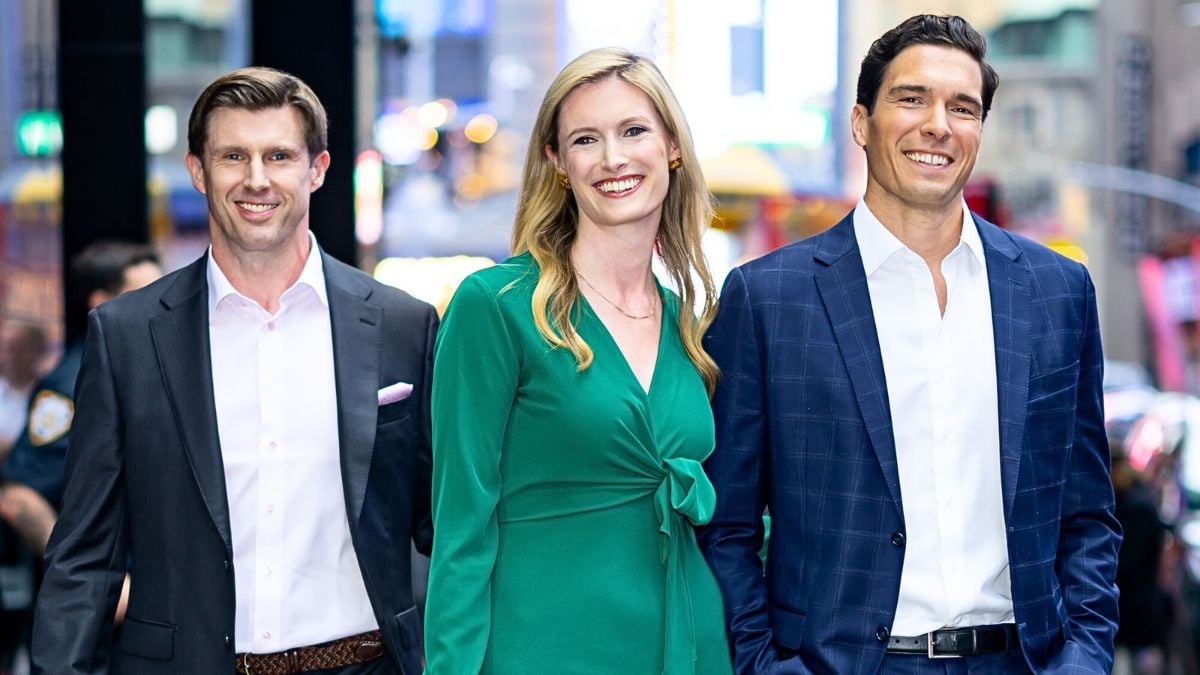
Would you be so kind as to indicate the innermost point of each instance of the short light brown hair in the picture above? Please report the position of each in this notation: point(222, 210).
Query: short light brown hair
point(259, 89)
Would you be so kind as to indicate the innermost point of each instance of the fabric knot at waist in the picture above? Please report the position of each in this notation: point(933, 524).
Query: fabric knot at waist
point(682, 496)
point(684, 493)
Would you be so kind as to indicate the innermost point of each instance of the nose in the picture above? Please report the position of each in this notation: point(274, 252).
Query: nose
point(936, 124)
point(256, 175)
point(614, 156)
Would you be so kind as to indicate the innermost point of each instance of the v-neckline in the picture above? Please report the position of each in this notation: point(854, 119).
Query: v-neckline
point(612, 341)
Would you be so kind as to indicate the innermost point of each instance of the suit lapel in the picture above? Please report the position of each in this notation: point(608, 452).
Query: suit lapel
point(356, 344)
point(842, 284)
point(1009, 282)
point(181, 344)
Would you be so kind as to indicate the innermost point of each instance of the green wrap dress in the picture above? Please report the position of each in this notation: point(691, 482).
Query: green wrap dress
point(563, 502)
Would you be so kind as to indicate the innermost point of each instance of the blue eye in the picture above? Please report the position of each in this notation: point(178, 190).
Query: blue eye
point(635, 131)
point(583, 140)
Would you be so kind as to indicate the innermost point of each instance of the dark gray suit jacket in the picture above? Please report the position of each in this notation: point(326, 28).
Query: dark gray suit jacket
point(145, 482)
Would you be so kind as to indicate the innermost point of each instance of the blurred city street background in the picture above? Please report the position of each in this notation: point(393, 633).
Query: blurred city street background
point(1092, 147)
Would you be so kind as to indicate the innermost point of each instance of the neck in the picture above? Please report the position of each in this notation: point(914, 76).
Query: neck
point(616, 259)
point(931, 233)
point(263, 276)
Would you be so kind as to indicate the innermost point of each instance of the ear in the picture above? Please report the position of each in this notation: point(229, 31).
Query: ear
point(858, 124)
point(554, 159)
point(196, 171)
point(319, 166)
point(674, 154)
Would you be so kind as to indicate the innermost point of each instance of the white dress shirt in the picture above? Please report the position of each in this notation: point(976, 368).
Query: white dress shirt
point(296, 574)
point(14, 408)
point(941, 384)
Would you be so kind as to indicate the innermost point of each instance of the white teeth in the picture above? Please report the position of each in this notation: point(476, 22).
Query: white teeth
point(926, 158)
point(619, 185)
point(257, 208)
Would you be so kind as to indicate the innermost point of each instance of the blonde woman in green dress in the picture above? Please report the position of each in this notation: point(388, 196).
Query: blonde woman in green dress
point(570, 405)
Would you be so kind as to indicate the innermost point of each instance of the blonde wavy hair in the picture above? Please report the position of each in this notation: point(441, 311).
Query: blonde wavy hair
point(547, 215)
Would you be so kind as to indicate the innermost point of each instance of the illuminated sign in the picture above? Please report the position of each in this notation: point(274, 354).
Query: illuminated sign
point(39, 133)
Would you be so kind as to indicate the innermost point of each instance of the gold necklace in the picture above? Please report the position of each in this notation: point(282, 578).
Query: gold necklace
point(653, 306)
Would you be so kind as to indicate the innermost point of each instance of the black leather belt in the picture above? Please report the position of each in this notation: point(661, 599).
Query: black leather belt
point(951, 643)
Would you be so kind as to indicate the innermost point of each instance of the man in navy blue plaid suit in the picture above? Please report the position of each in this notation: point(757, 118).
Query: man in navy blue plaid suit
point(915, 397)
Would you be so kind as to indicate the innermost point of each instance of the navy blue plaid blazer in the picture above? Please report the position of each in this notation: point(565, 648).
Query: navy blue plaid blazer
point(804, 430)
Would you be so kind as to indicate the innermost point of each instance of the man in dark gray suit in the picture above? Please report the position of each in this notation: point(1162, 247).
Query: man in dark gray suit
point(251, 435)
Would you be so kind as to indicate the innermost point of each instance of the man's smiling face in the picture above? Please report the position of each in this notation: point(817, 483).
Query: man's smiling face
point(923, 135)
point(257, 175)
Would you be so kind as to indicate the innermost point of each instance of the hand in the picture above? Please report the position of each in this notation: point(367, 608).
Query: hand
point(27, 512)
point(122, 603)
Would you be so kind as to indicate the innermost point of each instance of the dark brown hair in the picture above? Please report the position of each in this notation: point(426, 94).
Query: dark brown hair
point(924, 29)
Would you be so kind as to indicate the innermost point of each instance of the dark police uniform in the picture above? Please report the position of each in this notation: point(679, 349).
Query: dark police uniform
point(39, 456)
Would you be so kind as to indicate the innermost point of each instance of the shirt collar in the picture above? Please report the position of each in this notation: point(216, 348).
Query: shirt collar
point(312, 276)
point(876, 243)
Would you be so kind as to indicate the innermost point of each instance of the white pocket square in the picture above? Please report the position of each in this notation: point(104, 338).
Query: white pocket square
point(395, 392)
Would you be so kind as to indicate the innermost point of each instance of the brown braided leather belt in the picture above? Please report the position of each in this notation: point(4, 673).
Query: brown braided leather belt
point(344, 652)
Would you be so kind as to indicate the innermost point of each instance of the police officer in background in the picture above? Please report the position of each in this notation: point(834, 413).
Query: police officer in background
point(31, 480)
point(33, 475)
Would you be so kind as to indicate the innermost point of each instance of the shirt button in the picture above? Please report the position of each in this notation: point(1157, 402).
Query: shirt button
point(271, 445)
point(270, 508)
point(270, 325)
point(268, 571)
point(267, 635)
point(882, 633)
point(898, 539)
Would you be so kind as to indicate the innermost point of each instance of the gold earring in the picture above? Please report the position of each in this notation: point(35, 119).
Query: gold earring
point(675, 164)
point(564, 182)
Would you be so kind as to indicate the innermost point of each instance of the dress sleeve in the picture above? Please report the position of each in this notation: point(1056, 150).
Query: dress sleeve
point(476, 368)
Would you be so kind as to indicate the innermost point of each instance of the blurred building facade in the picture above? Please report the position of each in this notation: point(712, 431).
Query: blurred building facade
point(446, 93)
point(1088, 86)
point(29, 177)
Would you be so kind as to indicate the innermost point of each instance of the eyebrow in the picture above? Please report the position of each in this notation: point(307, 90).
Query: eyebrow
point(639, 119)
point(921, 89)
point(242, 149)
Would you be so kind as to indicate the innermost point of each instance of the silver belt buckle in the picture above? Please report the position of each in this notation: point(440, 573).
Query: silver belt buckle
point(929, 642)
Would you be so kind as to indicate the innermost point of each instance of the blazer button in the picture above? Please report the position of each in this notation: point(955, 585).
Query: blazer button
point(898, 539)
point(226, 565)
point(882, 633)
point(228, 641)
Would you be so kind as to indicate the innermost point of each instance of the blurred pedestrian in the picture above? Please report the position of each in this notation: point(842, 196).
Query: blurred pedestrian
point(915, 395)
point(1146, 607)
point(570, 404)
point(252, 436)
point(32, 478)
point(31, 492)
point(22, 349)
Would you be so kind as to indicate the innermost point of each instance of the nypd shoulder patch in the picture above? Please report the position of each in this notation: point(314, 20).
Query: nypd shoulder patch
point(50, 417)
